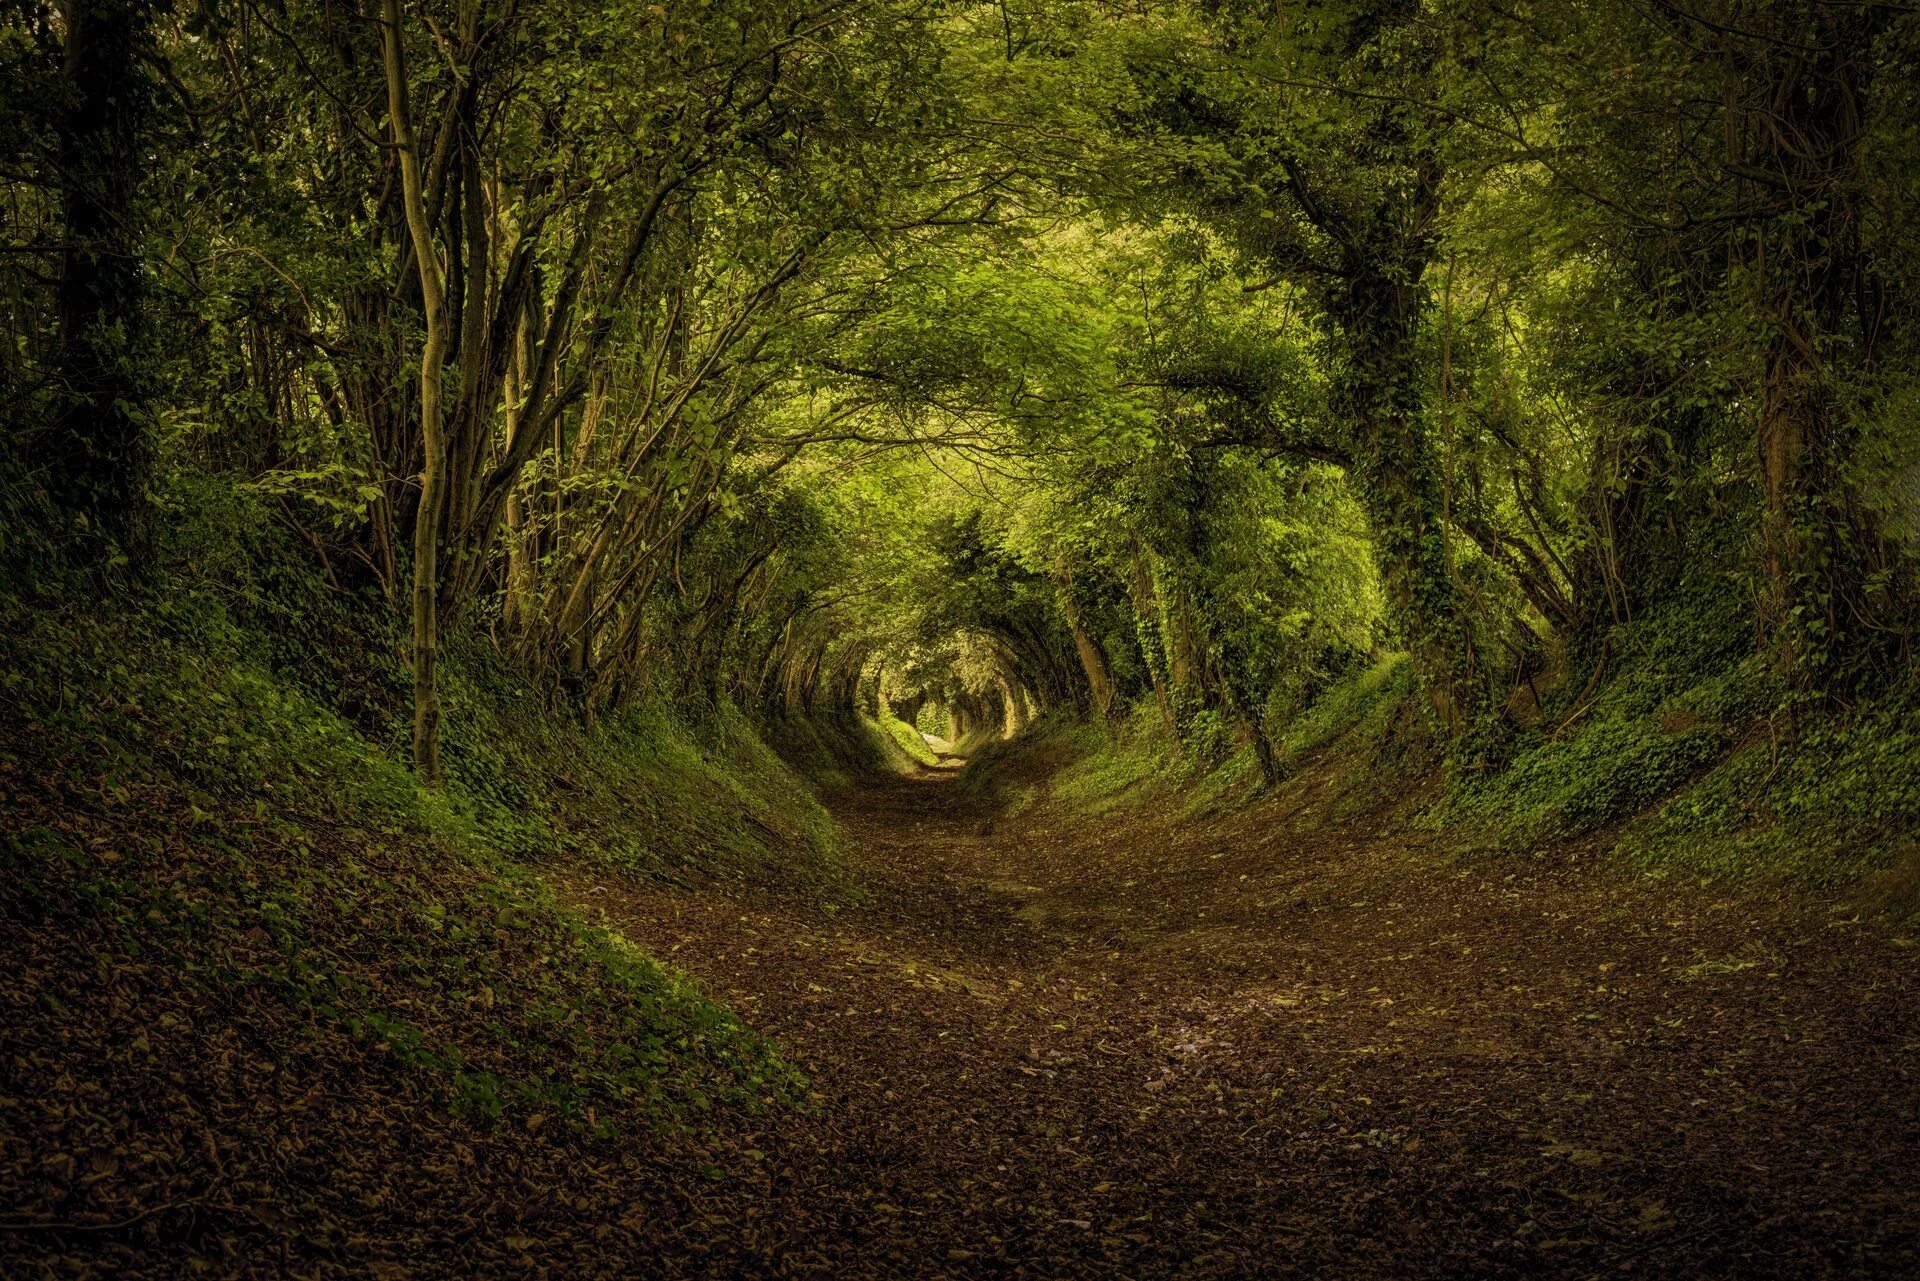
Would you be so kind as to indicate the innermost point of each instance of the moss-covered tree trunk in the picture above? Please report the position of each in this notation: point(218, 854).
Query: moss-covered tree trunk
point(1147, 628)
point(1015, 718)
point(1374, 317)
point(1806, 168)
point(1184, 642)
point(1399, 486)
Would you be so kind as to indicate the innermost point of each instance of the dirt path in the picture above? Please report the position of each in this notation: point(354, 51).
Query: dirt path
point(1130, 1048)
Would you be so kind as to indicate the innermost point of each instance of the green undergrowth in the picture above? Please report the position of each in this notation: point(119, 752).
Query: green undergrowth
point(1009, 775)
point(974, 741)
point(1676, 692)
point(1820, 796)
point(670, 792)
point(908, 739)
point(834, 752)
point(1079, 766)
point(1366, 707)
point(1687, 754)
point(1359, 730)
point(1123, 767)
point(190, 780)
point(1687, 757)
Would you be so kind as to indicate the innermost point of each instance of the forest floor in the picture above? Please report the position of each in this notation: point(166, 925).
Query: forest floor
point(1137, 1046)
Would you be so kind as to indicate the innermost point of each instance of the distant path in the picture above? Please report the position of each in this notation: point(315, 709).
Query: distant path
point(1128, 1048)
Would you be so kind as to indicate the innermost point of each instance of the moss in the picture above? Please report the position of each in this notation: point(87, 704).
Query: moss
point(908, 739)
point(1363, 705)
point(1120, 769)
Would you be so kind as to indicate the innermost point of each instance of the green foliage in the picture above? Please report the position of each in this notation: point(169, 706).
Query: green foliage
point(170, 721)
point(1615, 767)
point(908, 739)
point(1683, 685)
point(1294, 379)
point(1820, 800)
point(1128, 768)
point(1363, 705)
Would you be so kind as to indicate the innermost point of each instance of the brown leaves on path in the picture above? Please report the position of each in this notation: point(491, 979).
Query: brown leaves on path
point(1135, 1047)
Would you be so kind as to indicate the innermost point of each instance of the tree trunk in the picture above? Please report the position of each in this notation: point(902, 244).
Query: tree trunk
point(1092, 661)
point(1016, 716)
point(1398, 477)
point(1807, 136)
point(1146, 614)
point(97, 455)
point(427, 527)
point(1266, 754)
point(1184, 645)
point(518, 606)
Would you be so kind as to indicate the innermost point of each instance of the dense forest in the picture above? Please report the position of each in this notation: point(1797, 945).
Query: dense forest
point(921, 637)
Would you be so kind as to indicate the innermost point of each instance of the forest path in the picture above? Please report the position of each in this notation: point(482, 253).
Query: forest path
point(1138, 1047)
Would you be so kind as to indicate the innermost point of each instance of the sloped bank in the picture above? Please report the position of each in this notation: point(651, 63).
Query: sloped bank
point(267, 1002)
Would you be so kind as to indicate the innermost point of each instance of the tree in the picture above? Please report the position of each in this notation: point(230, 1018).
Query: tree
point(96, 453)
